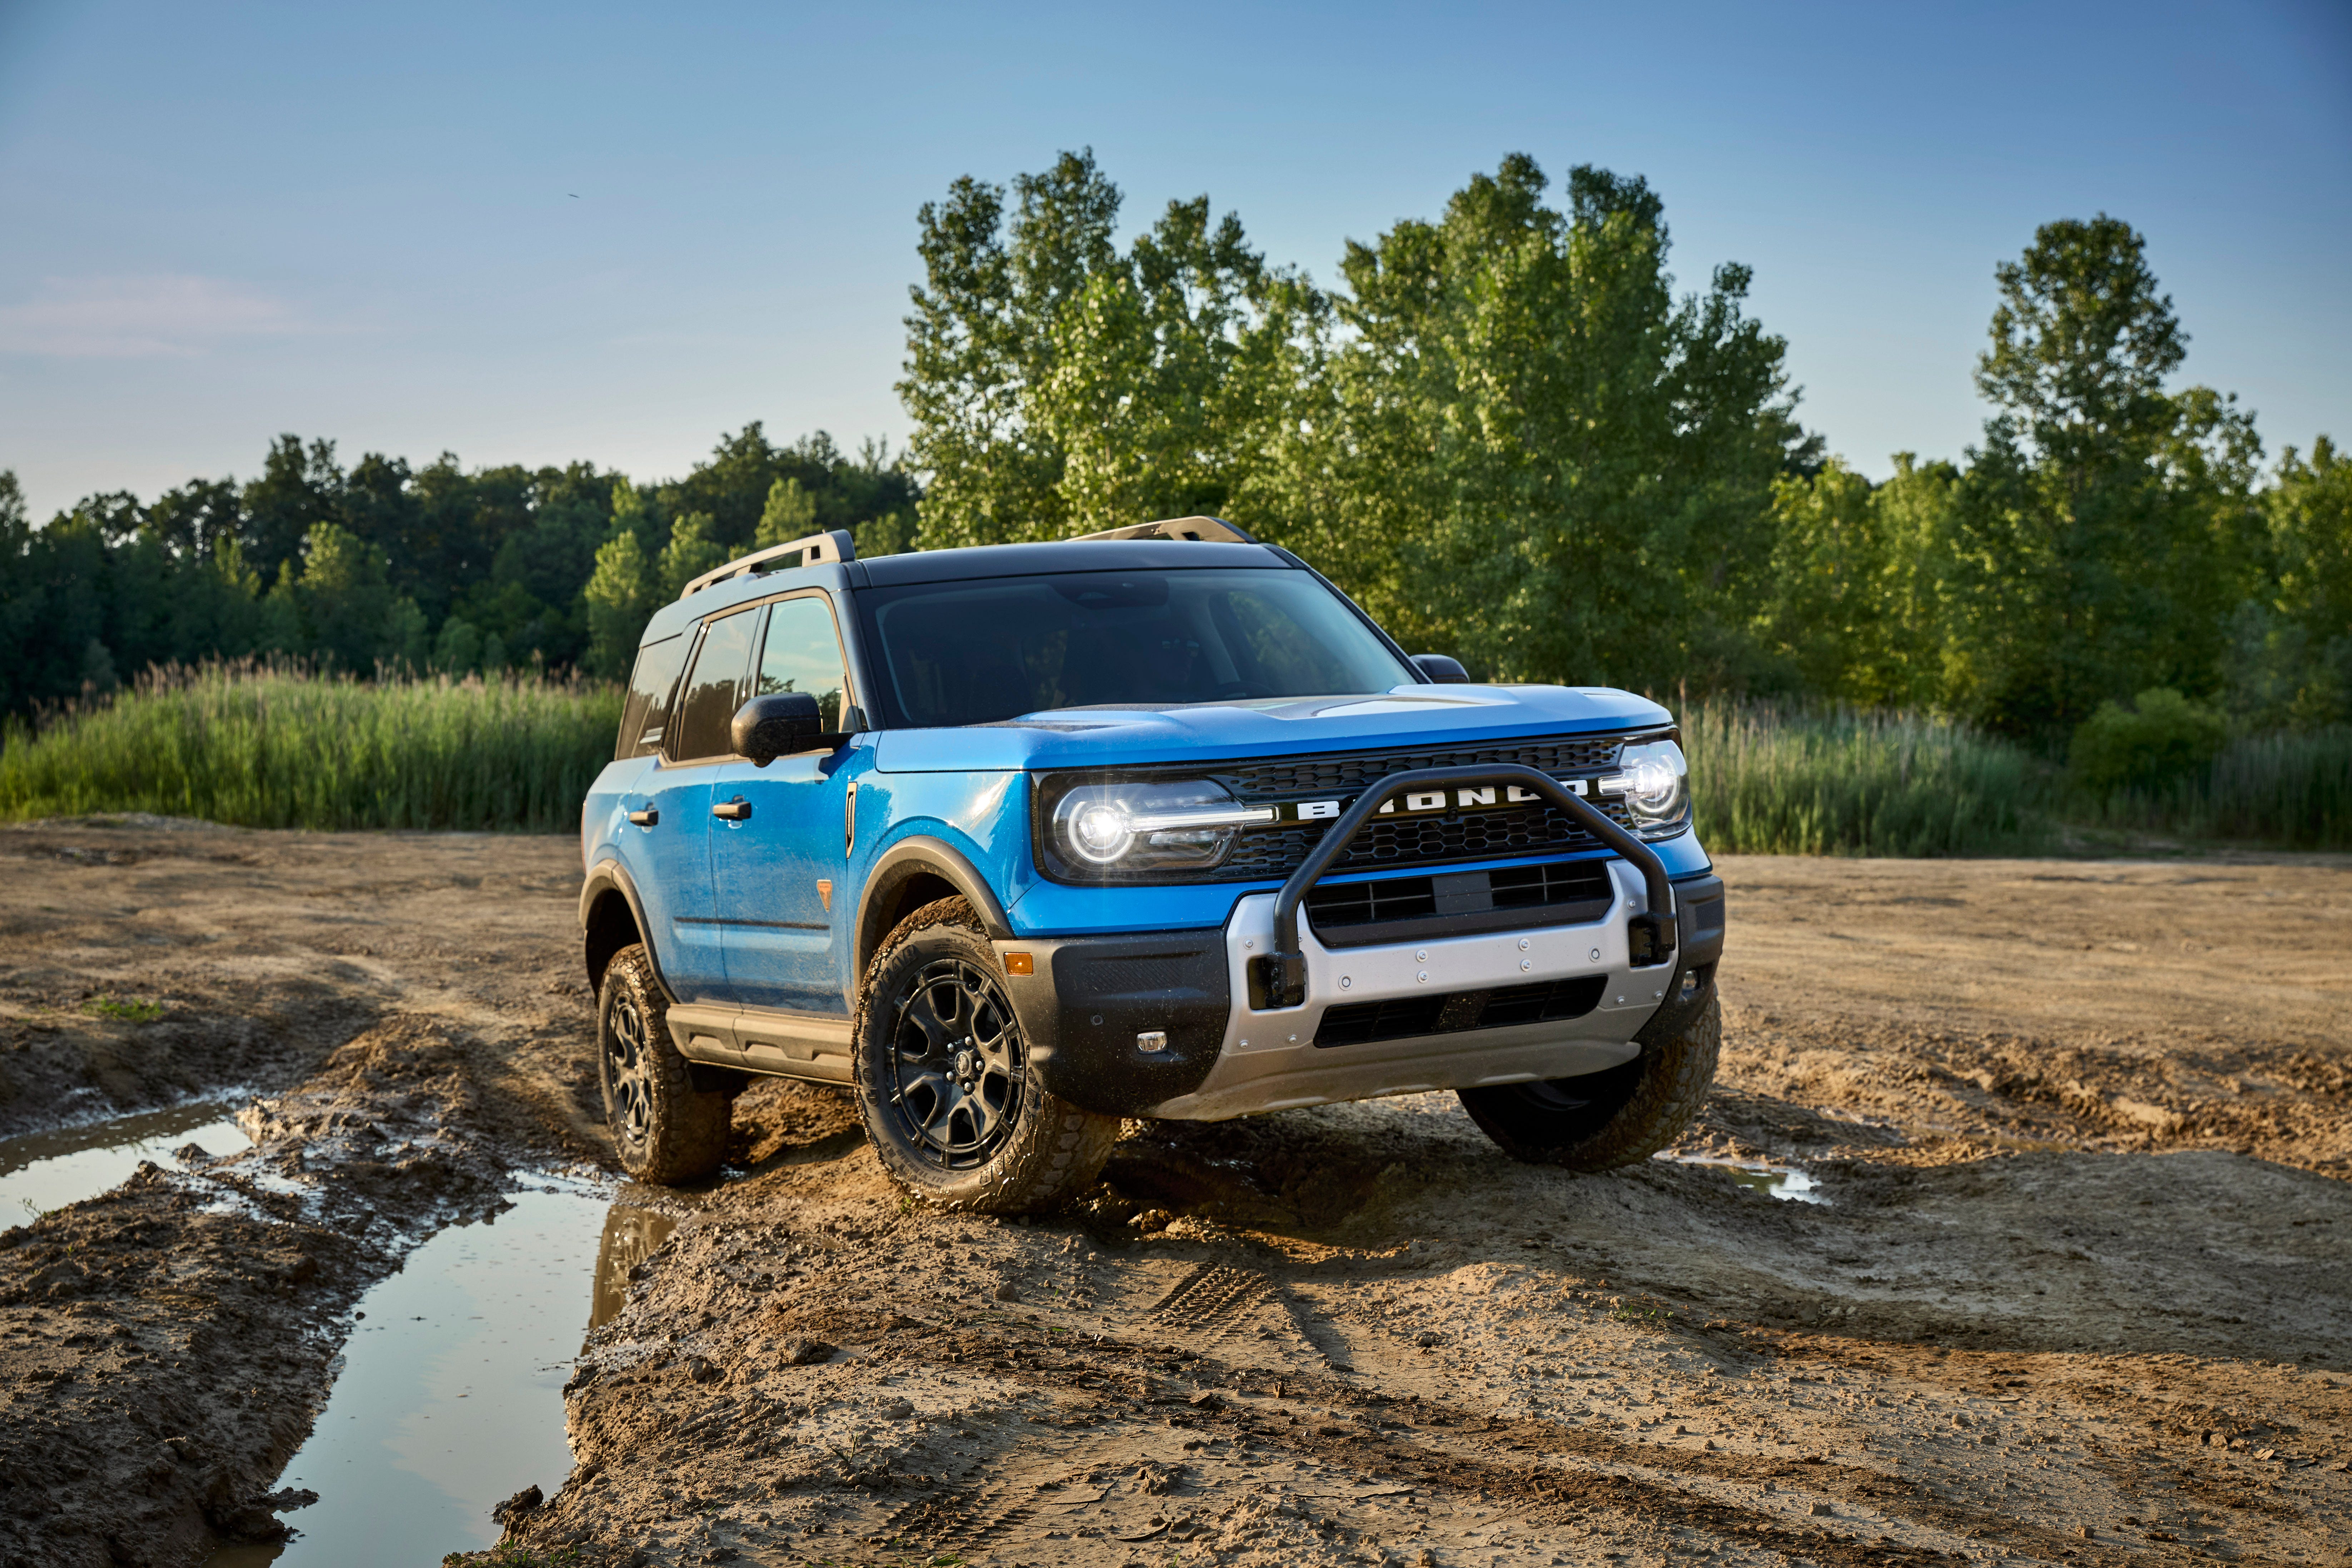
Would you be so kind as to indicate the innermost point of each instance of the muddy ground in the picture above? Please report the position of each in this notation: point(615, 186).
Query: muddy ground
point(2081, 1290)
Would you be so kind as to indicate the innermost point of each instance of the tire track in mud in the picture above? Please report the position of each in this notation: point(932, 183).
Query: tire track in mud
point(1557, 1475)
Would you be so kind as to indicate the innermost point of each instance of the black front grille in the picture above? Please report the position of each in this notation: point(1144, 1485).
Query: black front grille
point(1428, 840)
point(1271, 854)
point(1572, 889)
point(1291, 778)
point(1403, 1017)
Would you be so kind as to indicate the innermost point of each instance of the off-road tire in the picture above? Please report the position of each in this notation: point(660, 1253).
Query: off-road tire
point(1051, 1153)
point(665, 1130)
point(1627, 1113)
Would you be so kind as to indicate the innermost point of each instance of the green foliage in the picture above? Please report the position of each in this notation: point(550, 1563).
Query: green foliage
point(1779, 780)
point(438, 567)
point(1059, 386)
point(263, 746)
point(2162, 738)
point(127, 1009)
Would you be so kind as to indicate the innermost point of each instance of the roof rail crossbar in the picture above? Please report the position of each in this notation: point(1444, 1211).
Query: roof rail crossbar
point(835, 546)
point(1209, 530)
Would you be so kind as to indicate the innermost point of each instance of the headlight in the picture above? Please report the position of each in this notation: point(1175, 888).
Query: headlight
point(1657, 787)
point(1187, 825)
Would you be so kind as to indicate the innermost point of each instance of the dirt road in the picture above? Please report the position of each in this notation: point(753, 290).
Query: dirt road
point(2081, 1289)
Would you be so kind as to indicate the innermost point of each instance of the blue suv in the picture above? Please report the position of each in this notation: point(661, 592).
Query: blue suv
point(1016, 842)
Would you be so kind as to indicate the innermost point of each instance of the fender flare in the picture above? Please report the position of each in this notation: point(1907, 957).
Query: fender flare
point(608, 876)
point(916, 856)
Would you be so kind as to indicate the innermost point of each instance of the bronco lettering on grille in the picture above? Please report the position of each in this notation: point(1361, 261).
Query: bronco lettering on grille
point(1425, 803)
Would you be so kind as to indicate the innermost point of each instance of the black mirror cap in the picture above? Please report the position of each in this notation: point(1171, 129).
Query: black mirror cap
point(780, 724)
point(1441, 668)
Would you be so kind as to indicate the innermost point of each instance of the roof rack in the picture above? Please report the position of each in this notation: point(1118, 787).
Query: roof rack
point(1209, 530)
point(835, 546)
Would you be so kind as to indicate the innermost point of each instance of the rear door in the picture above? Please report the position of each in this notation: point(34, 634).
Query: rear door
point(778, 863)
point(676, 885)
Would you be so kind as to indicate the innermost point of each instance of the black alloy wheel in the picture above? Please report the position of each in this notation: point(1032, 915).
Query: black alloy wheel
point(627, 1071)
point(958, 1066)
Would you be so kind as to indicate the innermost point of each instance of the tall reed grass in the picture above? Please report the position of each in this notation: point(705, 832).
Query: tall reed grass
point(262, 746)
point(2293, 790)
point(1776, 781)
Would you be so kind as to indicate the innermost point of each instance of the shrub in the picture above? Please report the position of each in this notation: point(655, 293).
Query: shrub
point(2165, 738)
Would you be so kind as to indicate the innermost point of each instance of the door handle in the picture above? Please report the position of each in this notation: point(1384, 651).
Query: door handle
point(736, 810)
point(646, 817)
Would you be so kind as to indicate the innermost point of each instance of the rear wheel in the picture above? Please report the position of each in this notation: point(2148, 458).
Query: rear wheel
point(1620, 1116)
point(665, 1130)
point(943, 1077)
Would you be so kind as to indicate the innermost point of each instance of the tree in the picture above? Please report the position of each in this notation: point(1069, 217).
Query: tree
point(298, 489)
point(1530, 454)
point(789, 514)
point(1058, 385)
point(2290, 654)
point(349, 615)
point(2105, 525)
point(620, 595)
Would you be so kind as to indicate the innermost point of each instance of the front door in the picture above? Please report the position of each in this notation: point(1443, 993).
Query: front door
point(677, 844)
point(778, 859)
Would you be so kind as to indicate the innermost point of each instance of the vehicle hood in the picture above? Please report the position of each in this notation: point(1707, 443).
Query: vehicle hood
point(1216, 732)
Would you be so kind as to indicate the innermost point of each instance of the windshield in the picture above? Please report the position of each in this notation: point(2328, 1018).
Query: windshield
point(974, 652)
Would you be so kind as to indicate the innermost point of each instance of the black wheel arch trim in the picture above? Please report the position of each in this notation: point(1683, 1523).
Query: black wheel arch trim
point(605, 879)
point(915, 855)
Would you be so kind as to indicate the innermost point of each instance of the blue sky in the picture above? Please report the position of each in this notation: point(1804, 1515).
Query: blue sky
point(541, 234)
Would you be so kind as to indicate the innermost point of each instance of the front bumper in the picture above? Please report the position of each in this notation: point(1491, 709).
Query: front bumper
point(1090, 1004)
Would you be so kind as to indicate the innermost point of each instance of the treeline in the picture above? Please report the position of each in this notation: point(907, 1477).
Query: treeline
point(385, 566)
point(1507, 433)
point(1512, 438)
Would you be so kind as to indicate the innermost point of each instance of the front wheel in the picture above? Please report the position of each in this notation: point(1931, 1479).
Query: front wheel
point(664, 1129)
point(1620, 1115)
point(943, 1078)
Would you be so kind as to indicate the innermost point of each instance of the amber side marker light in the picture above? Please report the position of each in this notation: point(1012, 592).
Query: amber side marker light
point(1020, 963)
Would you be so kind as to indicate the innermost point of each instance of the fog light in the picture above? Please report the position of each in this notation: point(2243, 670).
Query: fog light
point(1154, 1040)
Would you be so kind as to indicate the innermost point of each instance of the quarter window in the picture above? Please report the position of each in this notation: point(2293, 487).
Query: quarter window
point(645, 713)
point(802, 654)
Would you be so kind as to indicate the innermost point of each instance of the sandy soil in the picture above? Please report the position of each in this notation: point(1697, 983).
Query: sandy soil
point(2081, 1289)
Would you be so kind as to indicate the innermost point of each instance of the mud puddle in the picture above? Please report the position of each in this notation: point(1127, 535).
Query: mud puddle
point(1787, 1181)
point(449, 1396)
point(45, 1171)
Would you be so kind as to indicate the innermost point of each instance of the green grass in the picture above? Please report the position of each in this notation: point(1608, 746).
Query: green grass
point(128, 1009)
point(2293, 790)
point(1794, 780)
point(274, 747)
point(1770, 781)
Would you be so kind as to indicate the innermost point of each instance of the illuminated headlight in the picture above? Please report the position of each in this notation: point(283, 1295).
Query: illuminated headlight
point(1657, 788)
point(1186, 826)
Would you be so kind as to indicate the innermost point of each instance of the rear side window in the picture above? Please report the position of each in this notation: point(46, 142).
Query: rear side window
point(802, 654)
point(645, 713)
point(715, 690)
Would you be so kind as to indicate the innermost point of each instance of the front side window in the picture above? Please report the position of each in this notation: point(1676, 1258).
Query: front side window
point(644, 713)
point(715, 690)
point(975, 652)
point(802, 654)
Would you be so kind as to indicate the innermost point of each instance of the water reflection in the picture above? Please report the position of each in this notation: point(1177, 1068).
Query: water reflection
point(631, 1236)
point(44, 1171)
point(451, 1394)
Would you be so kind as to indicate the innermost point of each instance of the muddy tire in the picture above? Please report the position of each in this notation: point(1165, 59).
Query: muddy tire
point(664, 1129)
point(956, 1117)
point(1618, 1117)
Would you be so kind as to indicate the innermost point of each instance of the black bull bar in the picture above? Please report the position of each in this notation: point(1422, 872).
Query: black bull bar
point(1281, 975)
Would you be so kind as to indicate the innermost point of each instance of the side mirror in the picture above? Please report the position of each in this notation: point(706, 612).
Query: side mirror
point(782, 724)
point(1442, 669)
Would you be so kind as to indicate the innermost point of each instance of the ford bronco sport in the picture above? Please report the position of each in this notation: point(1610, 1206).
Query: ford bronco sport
point(1017, 841)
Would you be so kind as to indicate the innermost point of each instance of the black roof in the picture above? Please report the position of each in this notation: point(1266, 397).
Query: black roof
point(1061, 555)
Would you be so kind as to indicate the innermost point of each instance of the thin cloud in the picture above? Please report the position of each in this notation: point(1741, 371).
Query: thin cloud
point(138, 318)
